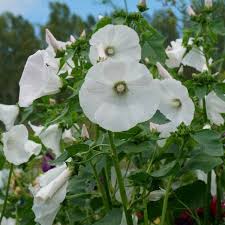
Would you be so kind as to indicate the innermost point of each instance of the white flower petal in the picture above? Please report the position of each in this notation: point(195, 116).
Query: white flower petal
point(98, 95)
point(39, 78)
point(214, 107)
point(16, 146)
point(9, 221)
point(172, 93)
point(8, 115)
point(50, 137)
point(175, 53)
point(195, 59)
point(123, 40)
point(4, 174)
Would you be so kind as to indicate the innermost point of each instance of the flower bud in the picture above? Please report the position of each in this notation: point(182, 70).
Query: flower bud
point(72, 39)
point(67, 136)
point(142, 5)
point(190, 11)
point(51, 40)
point(207, 127)
point(83, 34)
point(208, 3)
point(100, 17)
point(49, 190)
point(84, 132)
point(164, 74)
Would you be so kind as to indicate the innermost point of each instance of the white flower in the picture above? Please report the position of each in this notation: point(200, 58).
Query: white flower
point(84, 132)
point(8, 115)
point(118, 42)
point(195, 58)
point(9, 221)
point(190, 11)
point(67, 136)
point(175, 103)
point(119, 95)
point(49, 193)
point(208, 3)
point(16, 146)
point(163, 72)
point(50, 136)
point(3, 178)
point(39, 78)
point(175, 53)
point(215, 106)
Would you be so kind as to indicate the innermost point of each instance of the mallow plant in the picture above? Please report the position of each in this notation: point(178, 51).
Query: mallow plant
point(111, 128)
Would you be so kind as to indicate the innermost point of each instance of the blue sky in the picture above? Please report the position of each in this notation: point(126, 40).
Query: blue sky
point(37, 11)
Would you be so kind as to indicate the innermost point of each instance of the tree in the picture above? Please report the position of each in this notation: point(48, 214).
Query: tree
point(165, 22)
point(62, 23)
point(17, 42)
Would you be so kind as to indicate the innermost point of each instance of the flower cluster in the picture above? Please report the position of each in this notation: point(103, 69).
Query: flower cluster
point(105, 127)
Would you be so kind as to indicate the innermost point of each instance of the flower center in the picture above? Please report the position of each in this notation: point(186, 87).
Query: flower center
point(176, 103)
point(110, 51)
point(120, 88)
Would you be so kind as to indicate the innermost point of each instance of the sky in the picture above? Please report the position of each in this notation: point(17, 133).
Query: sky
point(36, 11)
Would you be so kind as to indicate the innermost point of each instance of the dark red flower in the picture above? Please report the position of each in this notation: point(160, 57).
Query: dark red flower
point(184, 219)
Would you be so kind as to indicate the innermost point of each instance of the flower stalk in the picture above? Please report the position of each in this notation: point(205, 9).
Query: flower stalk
point(165, 201)
point(7, 192)
point(120, 179)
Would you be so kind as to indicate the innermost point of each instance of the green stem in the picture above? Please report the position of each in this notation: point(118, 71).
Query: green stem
point(207, 199)
point(120, 179)
point(165, 201)
point(7, 192)
point(125, 4)
point(146, 213)
point(101, 188)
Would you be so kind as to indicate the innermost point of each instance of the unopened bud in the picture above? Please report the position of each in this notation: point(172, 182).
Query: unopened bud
point(142, 5)
point(52, 101)
point(72, 39)
point(164, 74)
point(83, 34)
point(84, 132)
point(153, 127)
point(190, 11)
point(51, 40)
point(100, 17)
point(207, 127)
point(208, 3)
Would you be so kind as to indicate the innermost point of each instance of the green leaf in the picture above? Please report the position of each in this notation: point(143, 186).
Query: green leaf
point(165, 170)
point(209, 142)
point(131, 148)
point(203, 162)
point(186, 195)
point(61, 159)
point(77, 148)
point(113, 217)
point(103, 22)
point(159, 118)
point(140, 178)
point(152, 47)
